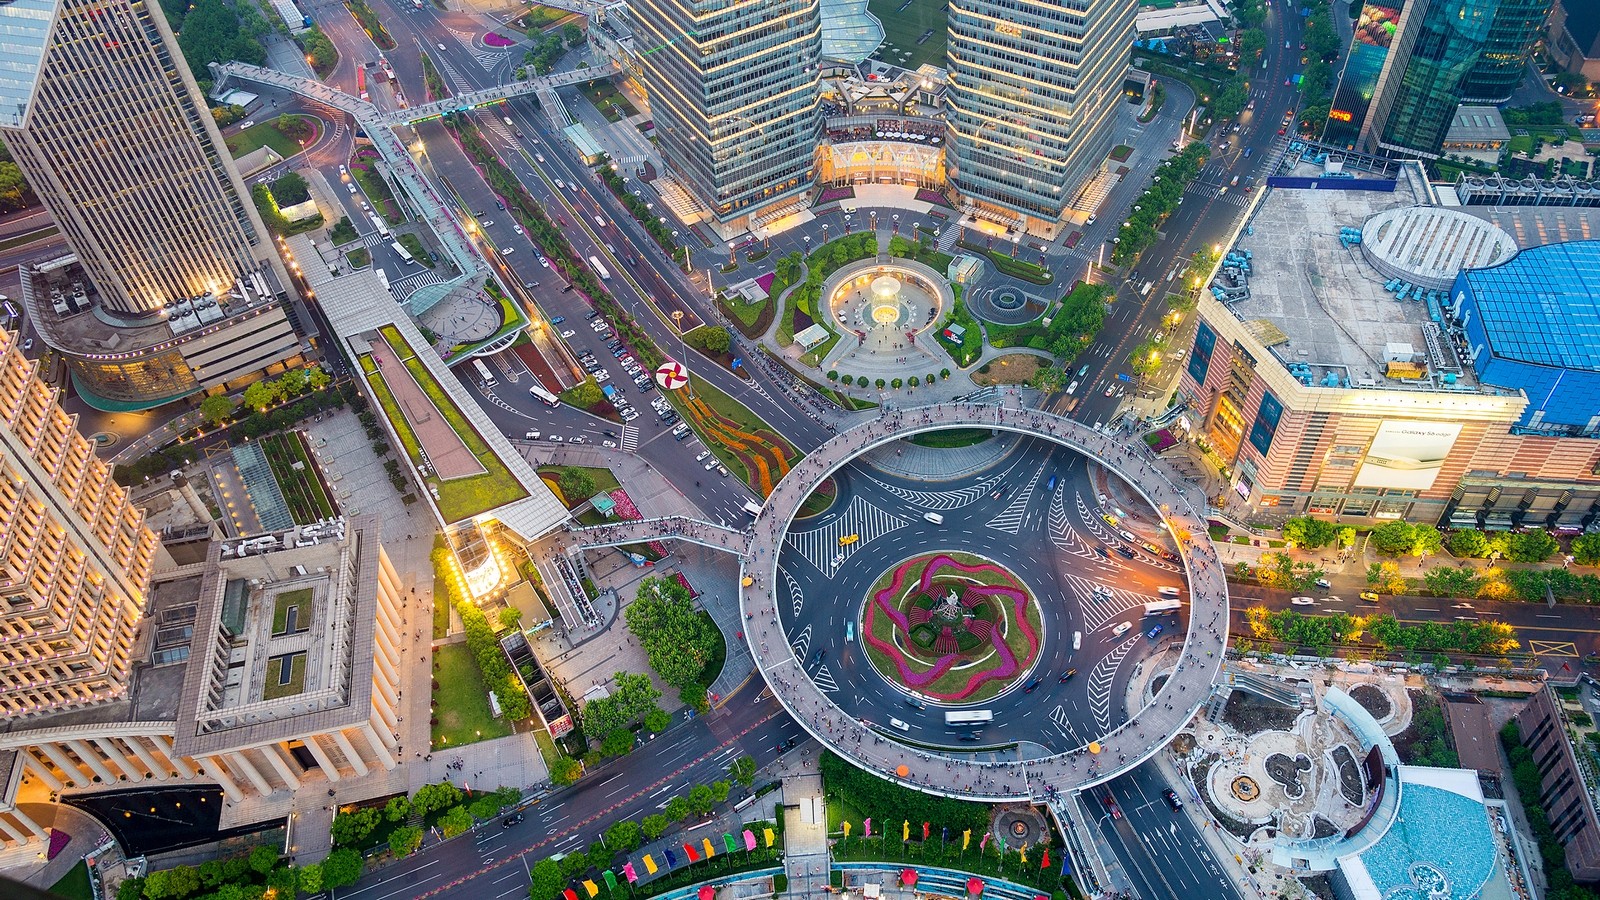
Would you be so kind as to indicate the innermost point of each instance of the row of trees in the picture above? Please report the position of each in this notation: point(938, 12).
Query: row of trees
point(484, 645)
point(260, 872)
point(678, 640)
point(1158, 202)
point(214, 31)
point(647, 217)
point(1385, 632)
point(14, 191)
point(1530, 787)
point(440, 806)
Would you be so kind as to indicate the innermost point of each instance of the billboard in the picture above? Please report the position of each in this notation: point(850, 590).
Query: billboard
point(1407, 455)
point(1375, 31)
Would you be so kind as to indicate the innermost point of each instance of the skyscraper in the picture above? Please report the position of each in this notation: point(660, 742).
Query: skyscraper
point(1034, 87)
point(75, 557)
point(734, 92)
point(1413, 62)
point(185, 286)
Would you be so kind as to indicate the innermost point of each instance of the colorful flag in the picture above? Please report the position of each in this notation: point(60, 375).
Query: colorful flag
point(966, 838)
point(983, 844)
point(1024, 852)
point(847, 829)
point(925, 830)
point(710, 851)
point(610, 878)
point(1000, 841)
point(569, 894)
point(866, 827)
point(727, 841)
point(688, 850)
point(649, 864)
point(591, 887)
point(633, 874)
point(767, 833)
point(672, 858)
point(1045, 862)
point(749, 840)
point(905, 831)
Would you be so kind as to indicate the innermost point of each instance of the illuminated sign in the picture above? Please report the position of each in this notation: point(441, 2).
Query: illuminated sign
point(1341, 115)
point(1407, 455)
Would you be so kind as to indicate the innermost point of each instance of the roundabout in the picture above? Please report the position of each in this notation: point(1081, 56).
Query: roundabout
point(982, 650)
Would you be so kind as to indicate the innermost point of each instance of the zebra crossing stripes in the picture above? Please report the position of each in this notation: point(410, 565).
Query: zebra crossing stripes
point(1066, 538)
point(823, 679)
point(1063, 724)
point(801, 643)
point(796, 596)
point(1103, 605)
point(630, 439)
point(936, 500)
point(1237, 198)
point(820, 545)
point(1100, 680)
point(1010, 520)
point(372, 240)
point(405, 287)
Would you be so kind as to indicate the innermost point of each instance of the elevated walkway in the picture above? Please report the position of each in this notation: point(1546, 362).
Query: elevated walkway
point(679, 528)
point(538, 85)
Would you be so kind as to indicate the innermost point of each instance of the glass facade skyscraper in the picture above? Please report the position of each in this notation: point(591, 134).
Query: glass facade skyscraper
point(1034, 88)
point(735, 94)
point(1503, 63)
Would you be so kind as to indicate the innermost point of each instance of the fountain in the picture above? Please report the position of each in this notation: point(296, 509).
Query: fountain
point(885, 301)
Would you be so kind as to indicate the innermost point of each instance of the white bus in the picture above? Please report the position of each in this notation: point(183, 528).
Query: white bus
point(968, 718)
point(483, 371)
point(1161, 607)
point(378, 224)
point(549, 399)
point(402, 252)
point(383, 277)
point(752, 507)
point(600, 269)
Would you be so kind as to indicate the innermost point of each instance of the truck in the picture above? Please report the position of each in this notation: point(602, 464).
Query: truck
point(752, 507)
point(599, 268)
point(610, 390)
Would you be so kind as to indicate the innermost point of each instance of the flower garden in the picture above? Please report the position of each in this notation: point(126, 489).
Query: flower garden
point(951, 627)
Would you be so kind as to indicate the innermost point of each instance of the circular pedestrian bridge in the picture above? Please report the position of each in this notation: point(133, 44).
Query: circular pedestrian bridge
point(990, 775)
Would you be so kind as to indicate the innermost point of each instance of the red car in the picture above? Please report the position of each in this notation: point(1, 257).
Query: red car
point(1282, 132)
point(1111, 806)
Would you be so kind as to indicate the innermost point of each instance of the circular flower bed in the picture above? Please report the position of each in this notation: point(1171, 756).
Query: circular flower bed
point(951, 626)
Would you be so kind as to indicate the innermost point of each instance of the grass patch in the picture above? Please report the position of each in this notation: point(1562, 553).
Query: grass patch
point(719, 653)
point(441, 589)
point(75, 884)
point(359, 258)
point(752, 319)
point(460, 700)
point(263, 134)
point(369, 22)
point(276, 686)
point(604, 481)
point(299, 600)
point(612, 103)
point(362, 168)
point(951, 438)
point(297, 476)
point(921, 27)
point(1013, 368)
point(1027, 271)
point(413, 245)
point(28, 237)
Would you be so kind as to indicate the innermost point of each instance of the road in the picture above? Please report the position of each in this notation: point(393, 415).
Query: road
point(1159, 848)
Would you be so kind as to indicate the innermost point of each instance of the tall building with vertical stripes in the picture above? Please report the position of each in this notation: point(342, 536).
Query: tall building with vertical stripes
point(1034, 89)
point(735, 95)
point(100, 112)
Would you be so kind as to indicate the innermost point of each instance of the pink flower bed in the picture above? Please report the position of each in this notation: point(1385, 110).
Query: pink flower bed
point(686, 585)
point(836, 193)
point(766, 281)
point(494, 40)
point(1009, 665)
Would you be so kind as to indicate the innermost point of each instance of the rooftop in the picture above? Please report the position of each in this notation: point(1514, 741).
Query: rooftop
point(1476, 739)
point(26, 26)
point(1477, 123)
point(1543, 305)
point(1429, 245)
point(1441, 841)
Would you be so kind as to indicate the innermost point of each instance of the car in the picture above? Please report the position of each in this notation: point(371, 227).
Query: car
point(1121, 629)
point(1110, 389)
point(1302, 601)
point(1089, 221)
point(27, 344)
point(592, 314)
point(819, 656)
point(1111, 806)
point(500, 204)
point(533, 436)
point(1123, 552)
point(1370, 596)
point(556, 438)
point(580, 439)
point(629, 416)
point(702, 456)
point(517, 229)
point(1083, 370)
point(790, 744)
point(558, 320)
point(609, 445)
point(249, 122)
point(441, 47)
point(899, 725)
point(513, 819)
point(568, 333)
point(722, 470)
point(913, 702)
point(486, 222)
point(708, 466)
point(1153, 633)
point(507, 251)
point(1031, 686)
point(1171, 796)
point(1067, 676)
point(1285, 45)
point(1127, 535)
point(1248, 151)
point(1324, 583)
point(539, 157)
point(1282, 131)
point(850, 631)
point(544, 263)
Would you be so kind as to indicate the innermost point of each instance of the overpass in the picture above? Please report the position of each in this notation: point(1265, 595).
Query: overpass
point(680, 528)
point(474, 99)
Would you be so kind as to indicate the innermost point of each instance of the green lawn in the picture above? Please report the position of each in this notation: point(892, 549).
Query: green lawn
point(441, 594)
point(262, 134)
point(359, 258)
point(952, 437)
point(281, 604)
point(713, 666)
point(274, 688)
point(612, 104)
point(28, 237)
point(302, 488)
point(413, 245)
point(905, 23)
point(75, 884)
point(363, 167)
point(461, 702)
point(604, 480)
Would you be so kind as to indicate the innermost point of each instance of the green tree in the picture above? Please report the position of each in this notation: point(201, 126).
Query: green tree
point(261, 394)
point(1386, 577)
point(295, 128)
point(743, 771)
point(623, 836)
point(324, 56)
point(712, 339)
point(454, 822)
point(317, 378)
point(1533, 545)
point(584, 394)
point(217, 408)
point(404, 841)
point(131, 889)
point(678, 809)
point(341, 868)
point(1426, 539)
point(720, 790)
point(618, 742)
point(678, 641)
point(351, 828)
point(547, 883)
point(572, 34)
point(263, 859)
point(308, 878)
point(398, 809)
point(1586, 549)
point(575, 483)
point(1308, 532)
point(701, 799)
point(431, 798)
point(657, 720)
point(654, 826)
point(1394, 537)
point(1469, 543)
point(565, 771)
point(290, 188)
point(632, 698)
point(509, 617)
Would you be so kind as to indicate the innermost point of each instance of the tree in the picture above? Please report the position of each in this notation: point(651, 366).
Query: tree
point(261, 395)
point(632, 698)
point(720, 790)
point(618, 742)
point(654, 826)
point(575, 483)
point(217, 408)
point(398, 809)
point(657, 720)
point(566, 771)
point(341, 868)
point(1309, 533)
point(547, 882)
point(350, 828)
point(131, 889)
point(1394, 537)
point(701, 799)
point(1468, 543)
point(572, 34)
point(1386, 577)
point(263, 859)
point(1533, 545)
point(1586, 549)
point(290, 188)
point(1426, 539)
point(678, 809)
point(293, 127)
point(584, 394)
point(678, 641)
point(712, 339)
point(404, 840)
point(454, 822)
point(509, 617)
point(623, 836)
point(743, 771)
point(308, 878)
point(317, 378)
point(431, 798)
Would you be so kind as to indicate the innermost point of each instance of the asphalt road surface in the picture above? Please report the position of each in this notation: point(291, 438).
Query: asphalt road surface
point(1159, 848)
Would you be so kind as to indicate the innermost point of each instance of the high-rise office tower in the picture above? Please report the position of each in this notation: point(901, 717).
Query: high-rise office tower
point(1034, 88)
point(174, 284)
point(1503, 62)
point(734, 92)
point(1413, 62)
point(75, 557)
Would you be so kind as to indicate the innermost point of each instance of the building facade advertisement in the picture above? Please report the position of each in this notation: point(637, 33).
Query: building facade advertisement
point(1407, 455)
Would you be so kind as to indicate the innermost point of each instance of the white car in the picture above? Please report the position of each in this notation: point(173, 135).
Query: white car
point(544, 262)
point(568, 333)
point(533, 435)
point(702, 456)
point(556, 438)
point(610, 445)
point(1302, 601)
point(1121, 629)
point(900, 725)
point(517, 228)
point(580, 439)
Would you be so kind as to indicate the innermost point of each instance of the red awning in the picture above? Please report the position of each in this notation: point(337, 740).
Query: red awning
point(570, 894)
point(974, 886)
point(908, 877)
point(707, 892)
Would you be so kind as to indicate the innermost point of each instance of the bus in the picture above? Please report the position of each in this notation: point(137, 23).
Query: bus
point(752, 507)
point(383, 278)
point(483, 371)
point(1162, 607)
point(549, 399)
point(601, 270)
point(968, 718)
point(378, 224)
point(402, 252)
point(361, 82)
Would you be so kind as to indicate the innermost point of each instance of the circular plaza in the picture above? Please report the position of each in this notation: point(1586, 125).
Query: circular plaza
point(975, 635)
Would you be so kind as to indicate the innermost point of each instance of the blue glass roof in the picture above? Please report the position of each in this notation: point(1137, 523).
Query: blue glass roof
point(1542, 306)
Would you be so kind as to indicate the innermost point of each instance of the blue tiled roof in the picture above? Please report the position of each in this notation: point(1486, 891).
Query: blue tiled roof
point(1542, 306)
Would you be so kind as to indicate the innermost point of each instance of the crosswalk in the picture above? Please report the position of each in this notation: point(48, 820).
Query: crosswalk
point(372, 240)
point(1063, 723)
point(1100, 607)
point(1010, 520)
point(1207, 189)
point(937, 500)
point(1066, 538)
point(820, 545)
point(1101, 678)
point(823, 679)
point(405, 287)
point(630, 439)
point(796, 596)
